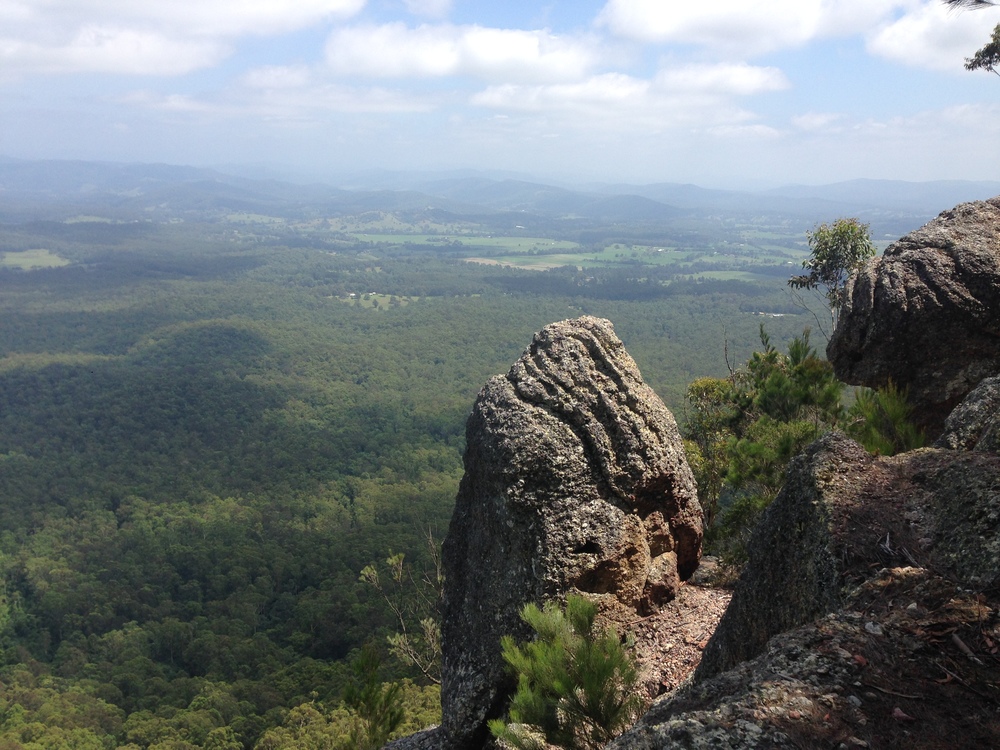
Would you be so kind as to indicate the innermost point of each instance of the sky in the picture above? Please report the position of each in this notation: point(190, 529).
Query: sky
point(726, 93)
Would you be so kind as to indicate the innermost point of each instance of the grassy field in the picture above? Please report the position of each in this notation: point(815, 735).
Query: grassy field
point(248, 218)
point(473, 242)
point(377, 301)
point(382, 222)
point(737, 260)
point(87, 219)
point(27, 260)
point(534, 262)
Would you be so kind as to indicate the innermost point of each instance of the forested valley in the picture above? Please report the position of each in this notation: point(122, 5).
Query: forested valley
point(211, 425)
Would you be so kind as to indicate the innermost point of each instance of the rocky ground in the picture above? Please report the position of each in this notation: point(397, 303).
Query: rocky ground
point(668, 644)
point(912, 662)
point(910, 655)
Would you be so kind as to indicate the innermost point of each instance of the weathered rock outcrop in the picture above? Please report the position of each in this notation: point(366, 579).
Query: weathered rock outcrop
point(975, 423)
point(870, 595)
point(575, 480)
point(926, 314)
point(872, 586)
point(869, 613)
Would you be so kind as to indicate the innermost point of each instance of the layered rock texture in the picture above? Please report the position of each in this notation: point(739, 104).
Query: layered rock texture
point(926, 315)
point(575, 480)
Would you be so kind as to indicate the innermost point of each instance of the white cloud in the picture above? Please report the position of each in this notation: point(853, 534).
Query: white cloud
point(816, 121)
point(272, 96)
point(932, 36)
point(167, 103)
point(145, 38)
point(103, 49)
point(622, 104)
point(753, 132)
point(923, 33)
point(318, 100)
point(397, 51)
point(277, 77)
point(972, 118)
point(751, 26)
point(610, 89)
point(744, 27)
point(846, 17)
point(922, 146)
point(225, 18)
point(392, 50)
point(428, 8)
point(698, 95)
point(737, 79)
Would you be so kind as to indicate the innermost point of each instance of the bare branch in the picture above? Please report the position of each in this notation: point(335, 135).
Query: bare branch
point(725, 351)
point(800, 301)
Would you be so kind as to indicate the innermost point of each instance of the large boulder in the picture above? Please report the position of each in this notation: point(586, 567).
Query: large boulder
point(868, 615)
point(575, 481)
point(926, 315)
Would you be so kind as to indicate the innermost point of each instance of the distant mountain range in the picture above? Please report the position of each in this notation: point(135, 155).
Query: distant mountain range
point(56, 189)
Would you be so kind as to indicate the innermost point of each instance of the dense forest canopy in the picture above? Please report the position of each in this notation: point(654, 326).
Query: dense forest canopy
point(209, 426)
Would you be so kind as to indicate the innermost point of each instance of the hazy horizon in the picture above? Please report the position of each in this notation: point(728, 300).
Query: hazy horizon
point(404, 179)
point(730, 94)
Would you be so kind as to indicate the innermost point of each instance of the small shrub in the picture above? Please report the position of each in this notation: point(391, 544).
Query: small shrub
point(576, 685)
point(377, 707)
point(880, 421)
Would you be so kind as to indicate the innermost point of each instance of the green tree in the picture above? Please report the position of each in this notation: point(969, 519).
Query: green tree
point(377, 706)
point(308, 727)
point(987, 58)
point(222, 738)
point(414, 598)
point(711, 414)
point(799, 386)
point(880, 421)
point(576, 684)
point(744, 430)
point(835, 252)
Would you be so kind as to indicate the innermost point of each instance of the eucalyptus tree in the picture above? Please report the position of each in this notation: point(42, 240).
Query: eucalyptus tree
point(837, 250)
